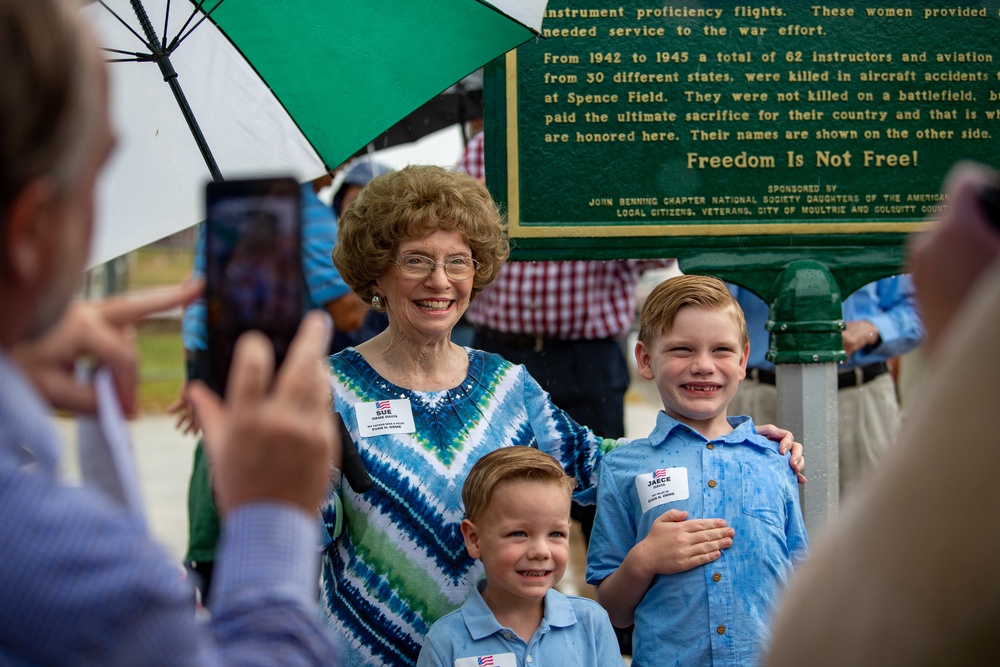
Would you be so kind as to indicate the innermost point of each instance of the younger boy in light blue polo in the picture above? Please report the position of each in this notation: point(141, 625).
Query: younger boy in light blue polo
point(517, 502)
point(696, 463)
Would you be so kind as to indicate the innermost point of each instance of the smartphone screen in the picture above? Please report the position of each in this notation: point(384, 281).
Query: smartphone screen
point(253, 267)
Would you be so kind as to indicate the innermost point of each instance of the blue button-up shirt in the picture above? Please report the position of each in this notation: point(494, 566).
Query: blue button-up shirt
point(575, 632)
point(719, 613)
point(890, 304)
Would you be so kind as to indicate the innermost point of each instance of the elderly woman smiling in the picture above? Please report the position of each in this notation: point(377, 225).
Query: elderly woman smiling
point(419, 244)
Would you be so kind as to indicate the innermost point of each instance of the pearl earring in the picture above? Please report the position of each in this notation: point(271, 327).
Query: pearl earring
point(377, 303)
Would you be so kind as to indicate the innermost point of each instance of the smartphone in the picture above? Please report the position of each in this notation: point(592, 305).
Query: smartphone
point(253, 267)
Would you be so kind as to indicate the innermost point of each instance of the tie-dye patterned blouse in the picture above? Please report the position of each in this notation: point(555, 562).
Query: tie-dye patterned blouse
point(396, 561)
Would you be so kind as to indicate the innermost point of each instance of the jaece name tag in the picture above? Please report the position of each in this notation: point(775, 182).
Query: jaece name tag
point(384, 417)
point(496, 660)
point(665, 485)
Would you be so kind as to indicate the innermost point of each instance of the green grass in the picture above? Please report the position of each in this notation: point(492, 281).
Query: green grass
point(155, 266)
point(161, 369)
point(161, 351)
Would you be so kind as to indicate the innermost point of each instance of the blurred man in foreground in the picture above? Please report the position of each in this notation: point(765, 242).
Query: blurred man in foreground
point(907, 575)
point(81, 583)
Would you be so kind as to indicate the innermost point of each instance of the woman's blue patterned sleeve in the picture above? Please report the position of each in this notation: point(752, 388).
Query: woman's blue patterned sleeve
point(575, 446)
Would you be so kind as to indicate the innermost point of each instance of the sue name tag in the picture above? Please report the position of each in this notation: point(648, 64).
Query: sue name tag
point(384, 417)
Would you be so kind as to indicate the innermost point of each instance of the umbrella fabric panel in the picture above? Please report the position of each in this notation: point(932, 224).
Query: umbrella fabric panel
point(369, 59)
point(529, 14)
point(153, 184)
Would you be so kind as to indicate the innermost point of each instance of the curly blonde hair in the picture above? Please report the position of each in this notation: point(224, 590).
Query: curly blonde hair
point(412, 203)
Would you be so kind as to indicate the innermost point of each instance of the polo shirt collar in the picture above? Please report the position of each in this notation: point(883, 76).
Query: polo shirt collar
point(744, 432)
point(482, 623)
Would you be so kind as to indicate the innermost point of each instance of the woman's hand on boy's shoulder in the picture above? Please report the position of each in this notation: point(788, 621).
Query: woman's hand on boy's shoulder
point(786, 442)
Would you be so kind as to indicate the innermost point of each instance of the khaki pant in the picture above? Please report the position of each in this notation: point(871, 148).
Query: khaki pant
point(869, 419)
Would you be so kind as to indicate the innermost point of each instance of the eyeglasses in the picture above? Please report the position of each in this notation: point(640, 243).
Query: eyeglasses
point(418, 266)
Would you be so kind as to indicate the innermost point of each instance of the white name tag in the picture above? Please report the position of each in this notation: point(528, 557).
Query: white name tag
point(495, 660)
point(384, 417)
point(666, 485)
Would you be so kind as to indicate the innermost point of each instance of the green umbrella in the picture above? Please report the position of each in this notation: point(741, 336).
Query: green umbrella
point(231, 88)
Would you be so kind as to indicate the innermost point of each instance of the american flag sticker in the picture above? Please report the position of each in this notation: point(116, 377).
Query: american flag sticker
point(662, 472)
point(383, 405)
point(495, 660)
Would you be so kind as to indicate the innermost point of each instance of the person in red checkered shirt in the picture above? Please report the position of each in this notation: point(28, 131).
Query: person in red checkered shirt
point(472, 162)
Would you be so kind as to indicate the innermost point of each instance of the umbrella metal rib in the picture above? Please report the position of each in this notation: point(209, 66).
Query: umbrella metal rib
point(162, 58)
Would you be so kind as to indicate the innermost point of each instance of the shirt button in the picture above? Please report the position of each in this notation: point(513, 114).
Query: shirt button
point(506, 635)
point(721, 629)
point(712, 483)
point(528, 659)
point(716, 577)
point(710, 446)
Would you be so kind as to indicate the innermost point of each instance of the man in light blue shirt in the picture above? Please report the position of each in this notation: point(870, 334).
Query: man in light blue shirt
point(882, 322)
point(81, 582)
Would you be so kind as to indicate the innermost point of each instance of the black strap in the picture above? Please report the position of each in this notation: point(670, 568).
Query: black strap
point(353, 467)
point(846, 378)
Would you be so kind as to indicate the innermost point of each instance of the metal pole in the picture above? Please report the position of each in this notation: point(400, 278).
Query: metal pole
point(805, 324)
point(807, 404)
point(162, 58)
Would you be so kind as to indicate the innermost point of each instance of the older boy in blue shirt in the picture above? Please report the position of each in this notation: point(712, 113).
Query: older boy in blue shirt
point(517, 502)
point(693, 343)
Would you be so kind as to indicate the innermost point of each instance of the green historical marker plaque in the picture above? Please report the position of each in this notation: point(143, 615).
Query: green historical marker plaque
point(694, 129)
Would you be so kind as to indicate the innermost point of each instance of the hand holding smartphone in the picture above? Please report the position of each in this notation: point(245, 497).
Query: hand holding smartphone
point(253, 267)
point(254, 279)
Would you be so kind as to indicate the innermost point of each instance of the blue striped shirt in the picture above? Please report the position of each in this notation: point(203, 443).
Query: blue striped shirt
point(82, 584)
